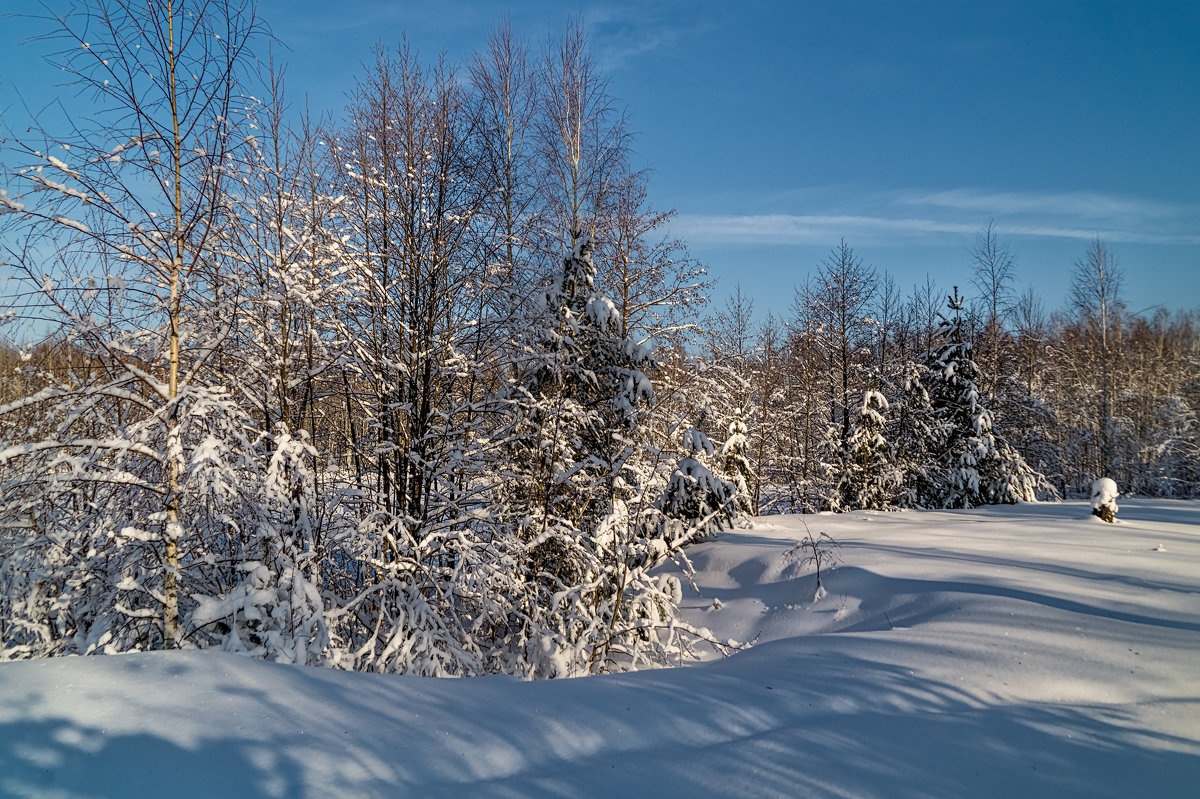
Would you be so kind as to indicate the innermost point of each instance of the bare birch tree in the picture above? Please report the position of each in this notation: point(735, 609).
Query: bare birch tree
point(582, 135)
point(1095, 295)
point(114, 233)
point(993, 271)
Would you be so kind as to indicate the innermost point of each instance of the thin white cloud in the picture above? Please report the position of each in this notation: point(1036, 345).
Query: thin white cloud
point(1112, 235)
point(1083, 205)
point(618, 53)
point(801, 229)
point(924, 217)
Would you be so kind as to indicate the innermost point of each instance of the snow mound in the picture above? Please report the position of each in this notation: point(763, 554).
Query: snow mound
point(1104, 492)
point(1010, 651)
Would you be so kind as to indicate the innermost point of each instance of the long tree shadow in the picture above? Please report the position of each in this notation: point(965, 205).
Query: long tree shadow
point(823, 718)
point(1023, 564)
point(1133, 510)
point(885, 588)
point(62, 758)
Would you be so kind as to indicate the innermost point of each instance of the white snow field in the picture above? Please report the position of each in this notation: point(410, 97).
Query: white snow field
point(1022, 651)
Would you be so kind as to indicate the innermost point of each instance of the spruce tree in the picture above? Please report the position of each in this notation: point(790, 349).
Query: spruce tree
point(869, 479)
point(695, 495)
point(916, 433)
point(736, 464)
point(574, 492)
point(970, 466)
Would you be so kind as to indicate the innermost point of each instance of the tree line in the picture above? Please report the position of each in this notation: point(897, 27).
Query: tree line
point(838, 393)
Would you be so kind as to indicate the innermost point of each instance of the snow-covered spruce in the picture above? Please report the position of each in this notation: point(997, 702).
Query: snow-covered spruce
point(735, 460)
point(695, 495)
point(870, 478)
point(577, 499)
point(968, 465)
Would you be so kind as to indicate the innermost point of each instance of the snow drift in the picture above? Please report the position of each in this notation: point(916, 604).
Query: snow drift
point(1009, 651)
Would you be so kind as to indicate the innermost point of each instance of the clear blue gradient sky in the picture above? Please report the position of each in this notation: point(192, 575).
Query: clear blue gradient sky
point(775, 129)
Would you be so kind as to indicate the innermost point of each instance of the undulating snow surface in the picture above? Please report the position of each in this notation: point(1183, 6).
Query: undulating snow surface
point(1004, 652)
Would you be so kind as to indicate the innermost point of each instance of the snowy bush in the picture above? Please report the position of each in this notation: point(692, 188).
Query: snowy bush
point(821, 551)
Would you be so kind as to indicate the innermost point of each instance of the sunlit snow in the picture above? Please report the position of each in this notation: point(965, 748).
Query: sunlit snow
point(1017, 651)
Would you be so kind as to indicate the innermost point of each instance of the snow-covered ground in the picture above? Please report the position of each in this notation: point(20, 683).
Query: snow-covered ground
point(1005, 652)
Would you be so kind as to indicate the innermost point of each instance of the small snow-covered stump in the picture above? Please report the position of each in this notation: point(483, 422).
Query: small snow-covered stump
point(1104, 499)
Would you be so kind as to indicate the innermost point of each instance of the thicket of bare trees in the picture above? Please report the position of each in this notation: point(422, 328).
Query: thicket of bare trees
point(423, 387)
point(370, 392)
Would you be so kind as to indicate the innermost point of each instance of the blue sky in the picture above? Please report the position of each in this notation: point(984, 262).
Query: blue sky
point(775, 129)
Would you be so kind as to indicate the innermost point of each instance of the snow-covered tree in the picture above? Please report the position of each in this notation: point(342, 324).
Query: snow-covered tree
point(697, 496)
point(870, 479)
point(115, 237)
point(735, 463)
point(577, 490)
point(916, 432)
point(970, 465)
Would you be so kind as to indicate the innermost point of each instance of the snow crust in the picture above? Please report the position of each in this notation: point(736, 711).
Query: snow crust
point(999, 652)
